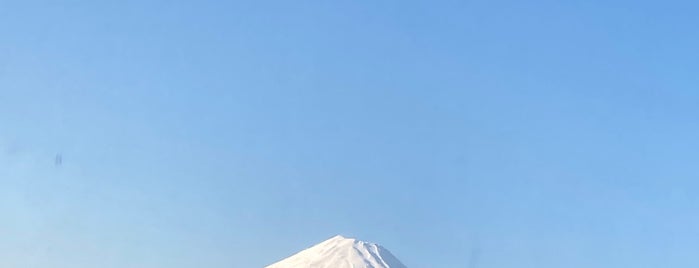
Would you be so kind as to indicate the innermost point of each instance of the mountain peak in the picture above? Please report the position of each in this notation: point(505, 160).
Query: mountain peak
point(338, 237)
point(341, 252)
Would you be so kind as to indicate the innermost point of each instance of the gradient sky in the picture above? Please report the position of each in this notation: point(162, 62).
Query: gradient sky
point(488, 134)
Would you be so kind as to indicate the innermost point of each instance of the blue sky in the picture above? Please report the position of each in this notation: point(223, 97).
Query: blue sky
point(212, 134)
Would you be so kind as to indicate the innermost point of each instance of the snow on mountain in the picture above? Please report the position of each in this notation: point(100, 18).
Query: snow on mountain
point(341, 252)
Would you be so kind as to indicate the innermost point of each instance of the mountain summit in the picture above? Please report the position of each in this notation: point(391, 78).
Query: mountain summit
point(341, 252)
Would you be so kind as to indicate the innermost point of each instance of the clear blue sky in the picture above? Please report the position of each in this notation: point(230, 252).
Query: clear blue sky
point(210, 134)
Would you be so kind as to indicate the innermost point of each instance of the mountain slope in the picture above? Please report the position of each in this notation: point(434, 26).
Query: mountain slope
point(341, 252)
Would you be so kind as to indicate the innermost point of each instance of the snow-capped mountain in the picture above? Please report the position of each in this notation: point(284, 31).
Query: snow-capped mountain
point(341, 252)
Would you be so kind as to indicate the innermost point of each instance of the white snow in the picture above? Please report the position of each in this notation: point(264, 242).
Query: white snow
point(341, 252)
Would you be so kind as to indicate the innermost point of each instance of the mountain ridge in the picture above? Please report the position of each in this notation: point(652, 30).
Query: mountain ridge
point(341, 252)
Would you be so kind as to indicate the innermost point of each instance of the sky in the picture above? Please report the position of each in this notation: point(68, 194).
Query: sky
point(480, 134)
